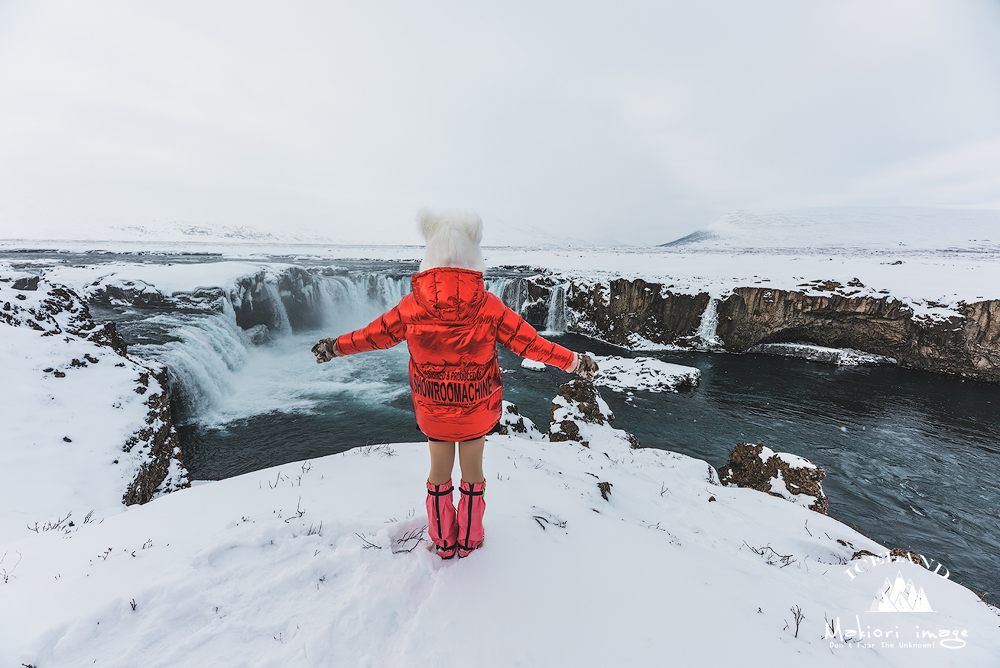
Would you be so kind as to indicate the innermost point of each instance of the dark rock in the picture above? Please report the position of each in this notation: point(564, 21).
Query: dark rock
point(617, 311)
point(895, 554)
point(566, 430)
point(259, 335)
point(67, 439)
point(747, 468)
point(107, 335)
point(162, 442)
point(579, 414)
point(909, 555)
point(513, 423)
point(584, 395)
point(966, 345)
point(27, 283)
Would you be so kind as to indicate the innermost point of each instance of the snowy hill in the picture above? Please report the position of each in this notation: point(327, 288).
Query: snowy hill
point(317, 564)
point(858, 228)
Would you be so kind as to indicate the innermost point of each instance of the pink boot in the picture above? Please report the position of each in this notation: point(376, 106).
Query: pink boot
point(441, 523)
point(471, 507)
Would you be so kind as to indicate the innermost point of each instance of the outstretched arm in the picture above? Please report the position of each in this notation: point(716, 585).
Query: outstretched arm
point(386, 331)
point(515, 334)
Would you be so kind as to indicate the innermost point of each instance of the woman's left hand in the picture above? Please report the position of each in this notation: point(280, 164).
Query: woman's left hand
point(586, 367)
point(325, 350)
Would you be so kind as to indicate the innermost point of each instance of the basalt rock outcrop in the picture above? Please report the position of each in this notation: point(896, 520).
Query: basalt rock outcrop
point(579, 413)
point(786, 476)
point(159, 442)
point(634, 313)
point(965, 345)
point(620, 311)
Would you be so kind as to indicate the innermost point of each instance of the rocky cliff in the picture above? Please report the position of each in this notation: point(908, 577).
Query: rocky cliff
point(966, 345)
point(636, 313)
point(625, 312)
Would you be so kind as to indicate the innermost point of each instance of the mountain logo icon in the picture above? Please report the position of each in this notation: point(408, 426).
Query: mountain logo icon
point(900, 596)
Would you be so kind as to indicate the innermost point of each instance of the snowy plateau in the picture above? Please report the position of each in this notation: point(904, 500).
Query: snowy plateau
point(596, 555)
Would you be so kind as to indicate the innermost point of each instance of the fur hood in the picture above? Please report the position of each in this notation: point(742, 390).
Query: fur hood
point(452, 240)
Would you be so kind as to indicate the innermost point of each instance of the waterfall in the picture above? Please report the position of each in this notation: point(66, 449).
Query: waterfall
point(511, 291)
point(706, 336)
point(206, 345)
point(555, 321)
point(350, 302)
point(205, 353)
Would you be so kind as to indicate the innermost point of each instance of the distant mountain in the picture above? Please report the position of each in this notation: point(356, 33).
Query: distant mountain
point(870, 228)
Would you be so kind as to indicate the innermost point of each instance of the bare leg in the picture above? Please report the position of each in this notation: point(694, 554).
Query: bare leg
point(442, 461)
point(470, 457)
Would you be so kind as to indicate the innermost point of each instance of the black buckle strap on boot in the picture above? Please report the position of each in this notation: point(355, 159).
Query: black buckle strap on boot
point(469, 492)
point(443, 492)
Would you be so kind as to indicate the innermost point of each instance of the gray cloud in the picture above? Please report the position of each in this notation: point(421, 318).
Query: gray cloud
point(635, 122)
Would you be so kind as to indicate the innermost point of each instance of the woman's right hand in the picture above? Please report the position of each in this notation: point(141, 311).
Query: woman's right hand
point(325, 350)
point(586, 367)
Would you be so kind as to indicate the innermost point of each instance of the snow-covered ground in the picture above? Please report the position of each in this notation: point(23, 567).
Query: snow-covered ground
point(68, 407)
point(317, 564)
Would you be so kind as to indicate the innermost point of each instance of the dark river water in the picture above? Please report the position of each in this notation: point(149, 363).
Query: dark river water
point(912, 458)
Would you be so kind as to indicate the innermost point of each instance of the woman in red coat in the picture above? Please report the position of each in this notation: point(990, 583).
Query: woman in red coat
point(451, 326)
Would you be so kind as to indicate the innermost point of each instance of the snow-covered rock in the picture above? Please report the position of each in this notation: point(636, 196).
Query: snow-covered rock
point(644, 373)
point(579, 413)
point(814, 353)
point(83, 427)
point(514, 424)
point(780, 474)
point(532, 365)
point(259, 335)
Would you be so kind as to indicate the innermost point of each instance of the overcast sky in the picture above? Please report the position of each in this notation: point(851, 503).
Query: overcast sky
point(630, 121)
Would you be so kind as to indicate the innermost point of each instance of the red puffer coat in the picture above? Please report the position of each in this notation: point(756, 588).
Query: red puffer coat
point(451, 326)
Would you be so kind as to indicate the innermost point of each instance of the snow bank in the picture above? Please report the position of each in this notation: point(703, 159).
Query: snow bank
point(814, 353)
point(644, 373)
point(532, 365)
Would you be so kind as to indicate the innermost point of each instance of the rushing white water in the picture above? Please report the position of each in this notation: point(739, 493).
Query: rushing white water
point(209, 351)
point(218, 375)
point(555, 322)
point(511, 291)
point(349, 302)
point(706, 336)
